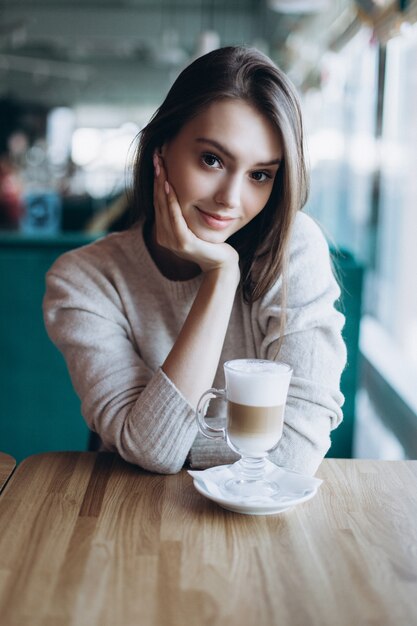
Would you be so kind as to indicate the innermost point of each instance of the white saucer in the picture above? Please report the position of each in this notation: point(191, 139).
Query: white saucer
point(294, 489)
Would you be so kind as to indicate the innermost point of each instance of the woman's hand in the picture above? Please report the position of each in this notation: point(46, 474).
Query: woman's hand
point(193, 360)
point(172, 232)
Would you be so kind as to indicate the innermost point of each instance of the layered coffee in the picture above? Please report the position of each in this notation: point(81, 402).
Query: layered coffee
point(253, 428)
point(256, 395)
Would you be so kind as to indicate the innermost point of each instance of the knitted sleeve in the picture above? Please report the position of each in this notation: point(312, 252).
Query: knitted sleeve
point(137, 412)
point(312, 345)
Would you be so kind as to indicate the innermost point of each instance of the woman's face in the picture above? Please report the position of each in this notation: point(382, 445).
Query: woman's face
point(222, 166)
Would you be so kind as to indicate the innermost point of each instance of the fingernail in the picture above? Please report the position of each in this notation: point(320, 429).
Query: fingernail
point(166, 185)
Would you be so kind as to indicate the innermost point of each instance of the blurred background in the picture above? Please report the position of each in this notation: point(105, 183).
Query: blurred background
point(79, 79)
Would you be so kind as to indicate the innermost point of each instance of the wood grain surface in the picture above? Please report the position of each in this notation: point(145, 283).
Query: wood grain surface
point(7, 466)
point(86, 539)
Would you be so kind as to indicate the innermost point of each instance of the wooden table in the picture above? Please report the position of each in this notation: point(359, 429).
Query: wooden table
point(87, 539)
point(7, 465)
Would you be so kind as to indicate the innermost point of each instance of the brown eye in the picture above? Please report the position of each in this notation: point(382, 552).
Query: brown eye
point(210, 159)
point(261, 177)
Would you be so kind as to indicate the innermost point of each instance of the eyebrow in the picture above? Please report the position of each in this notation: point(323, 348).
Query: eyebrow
point(226, 152)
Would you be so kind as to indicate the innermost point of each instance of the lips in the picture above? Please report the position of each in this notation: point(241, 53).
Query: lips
point(215, 220)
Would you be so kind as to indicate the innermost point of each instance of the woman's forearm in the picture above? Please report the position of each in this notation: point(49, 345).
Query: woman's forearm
point(194, 358)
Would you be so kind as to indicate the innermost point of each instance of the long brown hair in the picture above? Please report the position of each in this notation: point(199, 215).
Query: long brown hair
point(245, 74)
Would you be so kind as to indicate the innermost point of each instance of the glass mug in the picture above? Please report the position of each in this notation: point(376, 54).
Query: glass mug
point(256, 393)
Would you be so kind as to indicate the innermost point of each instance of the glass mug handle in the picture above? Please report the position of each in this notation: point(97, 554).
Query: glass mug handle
point(209, 431)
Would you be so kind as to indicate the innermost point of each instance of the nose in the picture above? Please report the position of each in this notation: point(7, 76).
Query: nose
point(229, 192)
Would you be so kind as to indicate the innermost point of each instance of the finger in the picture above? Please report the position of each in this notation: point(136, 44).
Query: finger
point(156, 164)
point(158, 179)
point(165, 192)
point(159, 196)
point(163, 226)
point(179, 226)
point(174, 229)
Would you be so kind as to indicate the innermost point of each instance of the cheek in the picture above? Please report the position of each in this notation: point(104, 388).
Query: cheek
point(189, 183)
point(255, 202)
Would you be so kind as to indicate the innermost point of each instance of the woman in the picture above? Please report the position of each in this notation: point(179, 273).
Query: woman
point(220, 265)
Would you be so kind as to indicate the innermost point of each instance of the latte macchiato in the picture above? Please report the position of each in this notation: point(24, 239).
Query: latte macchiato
point(253, 428)
point(256, 394)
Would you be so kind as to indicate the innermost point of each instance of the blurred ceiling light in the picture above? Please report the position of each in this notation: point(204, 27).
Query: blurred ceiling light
point(86, 143)
point(168, 50)
point(299, 6)
point(208, 40)
point(40, 66)
point(59, 130)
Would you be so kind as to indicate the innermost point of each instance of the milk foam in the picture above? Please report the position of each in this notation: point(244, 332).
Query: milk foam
point(257, 382)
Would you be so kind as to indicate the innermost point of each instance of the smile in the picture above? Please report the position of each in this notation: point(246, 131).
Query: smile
point(217, 222)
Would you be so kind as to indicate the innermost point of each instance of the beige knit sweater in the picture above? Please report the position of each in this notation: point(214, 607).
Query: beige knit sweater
point(115, 318)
